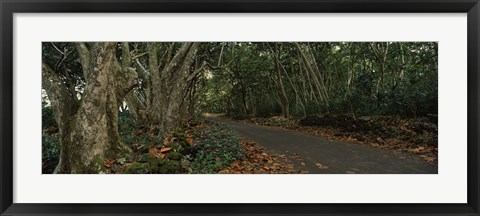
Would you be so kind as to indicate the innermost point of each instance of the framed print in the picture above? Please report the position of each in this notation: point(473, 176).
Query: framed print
point(249, 108)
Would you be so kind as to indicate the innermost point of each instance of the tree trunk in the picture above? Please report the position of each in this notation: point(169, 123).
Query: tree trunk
point(89, 134)
point(136, 108)
point(170, 85)
point(314, 74)
point(282, 93)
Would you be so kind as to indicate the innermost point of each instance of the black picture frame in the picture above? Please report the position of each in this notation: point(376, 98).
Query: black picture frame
point(9, 7)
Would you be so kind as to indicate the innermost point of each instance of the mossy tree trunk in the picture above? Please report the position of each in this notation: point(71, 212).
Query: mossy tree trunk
point(166, 80)
point(89, 126)
point(169, 85)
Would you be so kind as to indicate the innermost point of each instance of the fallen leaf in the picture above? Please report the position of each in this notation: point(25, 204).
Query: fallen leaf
point(155, 152)
point(430, 159)
point(321, 166)
point(418, 149)
point(258, 161)
point(166, 141)
point(108, 163)
point(165, 149)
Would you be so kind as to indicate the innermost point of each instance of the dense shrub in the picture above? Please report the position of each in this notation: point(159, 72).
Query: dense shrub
point(50, 152)
point(48, 120)
point(214, 147)
point(198, 146)
point(125, 122)
point(420, 130)
point(50, 140)
point(152, 165)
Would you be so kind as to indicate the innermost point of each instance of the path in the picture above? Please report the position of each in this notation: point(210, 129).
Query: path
point(339, 157)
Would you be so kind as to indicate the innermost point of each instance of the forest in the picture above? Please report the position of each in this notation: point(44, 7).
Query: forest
point(207, 107)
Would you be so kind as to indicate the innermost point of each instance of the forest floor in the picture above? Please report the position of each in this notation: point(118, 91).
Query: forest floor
point(202, 146)
point(199, 146)
point(268, 146)
point(319, 155)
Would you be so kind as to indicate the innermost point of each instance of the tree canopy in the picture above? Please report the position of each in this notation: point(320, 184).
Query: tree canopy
point(89, 86)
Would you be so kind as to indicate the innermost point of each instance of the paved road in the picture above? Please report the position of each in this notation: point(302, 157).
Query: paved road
point(339, 157)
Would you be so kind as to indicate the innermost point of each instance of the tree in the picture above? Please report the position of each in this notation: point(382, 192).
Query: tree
point(89, 125)
point(159, 101)
point(281, 88)
point(161, 83)
point(171, 85)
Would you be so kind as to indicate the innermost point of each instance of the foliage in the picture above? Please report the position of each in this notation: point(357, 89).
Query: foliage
point(62, 56)
point(417, 131)
point(48, 120)
point(139, 139)
point(50, 152)
point(152, 165)
point(334, 81)
point(125, 122)
point(374, 78)
point(199, 146)
point(214, 147)
point(50, 139)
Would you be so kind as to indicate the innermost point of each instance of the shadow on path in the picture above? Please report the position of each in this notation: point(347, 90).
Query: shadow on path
point(340, 157)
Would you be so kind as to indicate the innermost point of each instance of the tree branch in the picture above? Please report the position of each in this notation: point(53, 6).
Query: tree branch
point(85, 57)
point(126, 56)
point(197, 71)
point(63, 103)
